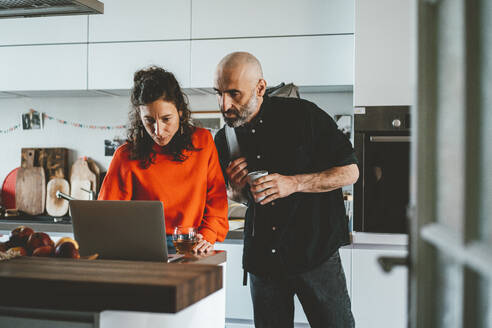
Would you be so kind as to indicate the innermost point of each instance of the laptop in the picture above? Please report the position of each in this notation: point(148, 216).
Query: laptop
point(121, 230)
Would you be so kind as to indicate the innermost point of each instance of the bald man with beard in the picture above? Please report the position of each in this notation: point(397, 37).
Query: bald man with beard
point(295, 222)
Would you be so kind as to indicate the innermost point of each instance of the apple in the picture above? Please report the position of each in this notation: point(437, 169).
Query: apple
point(68, 250)
point(67, 239)
point(20, 235)
point(43, 251)
point(39, 239)
point(19, 249)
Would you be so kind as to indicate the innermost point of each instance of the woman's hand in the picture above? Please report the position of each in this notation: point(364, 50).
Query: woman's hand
point(203, 245)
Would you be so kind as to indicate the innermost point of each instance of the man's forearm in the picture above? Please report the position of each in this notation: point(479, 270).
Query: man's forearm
point(327, 180)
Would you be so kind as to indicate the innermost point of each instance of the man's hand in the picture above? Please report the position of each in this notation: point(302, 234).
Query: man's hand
point(203, 246)
point(237, 172)
point(273, 186)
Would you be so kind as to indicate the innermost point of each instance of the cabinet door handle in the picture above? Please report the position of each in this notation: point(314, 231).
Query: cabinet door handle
point(387, 263)
point(389, 138)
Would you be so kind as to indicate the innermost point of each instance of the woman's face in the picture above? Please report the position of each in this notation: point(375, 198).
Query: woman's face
point(161, 120)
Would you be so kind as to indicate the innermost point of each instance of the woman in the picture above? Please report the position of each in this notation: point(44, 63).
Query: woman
point(167, 159)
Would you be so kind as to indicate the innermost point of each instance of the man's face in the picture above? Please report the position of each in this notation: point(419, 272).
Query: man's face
point(237, 96)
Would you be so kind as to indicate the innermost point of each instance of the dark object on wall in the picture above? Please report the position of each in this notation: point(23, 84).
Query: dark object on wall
point(110, 146)
point(32, 121)
point(382, 145)
point(53, 160)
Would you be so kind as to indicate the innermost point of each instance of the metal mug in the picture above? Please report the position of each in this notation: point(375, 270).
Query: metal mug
point(252, 176)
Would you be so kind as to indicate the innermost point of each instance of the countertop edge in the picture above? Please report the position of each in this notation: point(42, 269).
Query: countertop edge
point(233, 236)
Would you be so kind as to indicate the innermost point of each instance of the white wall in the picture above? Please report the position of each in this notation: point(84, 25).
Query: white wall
point(103, 110)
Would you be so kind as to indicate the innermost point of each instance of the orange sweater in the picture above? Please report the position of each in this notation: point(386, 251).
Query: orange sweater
point(193, 192)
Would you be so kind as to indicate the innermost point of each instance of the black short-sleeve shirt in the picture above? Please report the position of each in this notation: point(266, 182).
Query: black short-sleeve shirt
point(297, 233)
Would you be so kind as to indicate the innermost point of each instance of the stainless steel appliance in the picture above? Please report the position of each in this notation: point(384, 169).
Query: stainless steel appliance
point(382, 145)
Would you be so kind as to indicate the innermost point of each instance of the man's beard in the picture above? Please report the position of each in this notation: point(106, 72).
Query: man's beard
point(243, 115)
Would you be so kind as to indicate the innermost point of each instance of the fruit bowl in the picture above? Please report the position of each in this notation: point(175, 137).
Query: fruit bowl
point(24, 241)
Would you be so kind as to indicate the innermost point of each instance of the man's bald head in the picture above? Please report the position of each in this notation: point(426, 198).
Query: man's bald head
point(240, 87)
point(242, 65)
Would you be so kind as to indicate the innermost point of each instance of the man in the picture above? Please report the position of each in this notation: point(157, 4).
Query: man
point(292, 236)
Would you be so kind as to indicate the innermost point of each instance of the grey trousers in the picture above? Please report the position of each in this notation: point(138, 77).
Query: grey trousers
point(321, 291)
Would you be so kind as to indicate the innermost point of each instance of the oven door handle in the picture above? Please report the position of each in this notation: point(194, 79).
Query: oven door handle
point(389, 138)
point(387, 263)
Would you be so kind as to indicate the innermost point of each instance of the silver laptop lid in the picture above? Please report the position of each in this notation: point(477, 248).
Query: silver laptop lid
point(120, 230)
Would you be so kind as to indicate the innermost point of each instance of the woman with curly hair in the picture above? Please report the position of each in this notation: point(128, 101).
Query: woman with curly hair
point(166, 158)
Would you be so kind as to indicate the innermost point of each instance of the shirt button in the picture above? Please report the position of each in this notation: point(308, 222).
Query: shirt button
point(261, 121)
point(273, 251)
point(253, 131)
point(273, 203)
point(274, 228)
point(258, 156)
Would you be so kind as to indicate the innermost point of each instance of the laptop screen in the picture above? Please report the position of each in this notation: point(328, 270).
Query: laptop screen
point(120, 230)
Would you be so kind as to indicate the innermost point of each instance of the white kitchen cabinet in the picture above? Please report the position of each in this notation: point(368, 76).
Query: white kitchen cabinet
point(141, 20)
point(346, 257)
point(239, 307)
point(42, 30)
point(312, 60)
point(43, 67)
point(219, 18)
point(112, 65)
point(238, 298)
point(383, 53)
point(379, 299)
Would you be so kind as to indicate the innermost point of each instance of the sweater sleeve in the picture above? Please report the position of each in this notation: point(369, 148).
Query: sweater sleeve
point(117, 184)
point(214, 226)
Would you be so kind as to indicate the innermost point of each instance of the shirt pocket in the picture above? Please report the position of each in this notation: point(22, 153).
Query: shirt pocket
point(289, 161)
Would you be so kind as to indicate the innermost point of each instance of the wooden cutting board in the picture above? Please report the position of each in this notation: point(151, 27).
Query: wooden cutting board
point(81, 172)
point(96, 170)
point(57, 206)
point(30, 187)
point(53, 160)
point(77, 189)
point(8, 189)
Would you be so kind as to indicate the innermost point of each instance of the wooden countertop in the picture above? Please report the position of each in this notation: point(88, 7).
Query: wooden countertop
point(98, 285)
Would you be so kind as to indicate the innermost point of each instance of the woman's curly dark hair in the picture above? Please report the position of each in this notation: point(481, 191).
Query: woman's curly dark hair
point(149, 85)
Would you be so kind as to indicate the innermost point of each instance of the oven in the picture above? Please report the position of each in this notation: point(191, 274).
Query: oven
point(382, 145)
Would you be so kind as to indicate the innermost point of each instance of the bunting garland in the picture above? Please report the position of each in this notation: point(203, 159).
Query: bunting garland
point(64, 122)
point(84, 126)
point(11, 129)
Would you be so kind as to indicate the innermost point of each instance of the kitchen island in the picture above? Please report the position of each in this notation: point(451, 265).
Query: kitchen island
point(379, 299)
point(53, 292)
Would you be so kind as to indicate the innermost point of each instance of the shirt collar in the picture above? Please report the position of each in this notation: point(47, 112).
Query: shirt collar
point(260, 116)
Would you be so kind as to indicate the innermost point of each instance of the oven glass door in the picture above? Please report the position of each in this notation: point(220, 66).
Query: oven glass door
point(386, 183)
